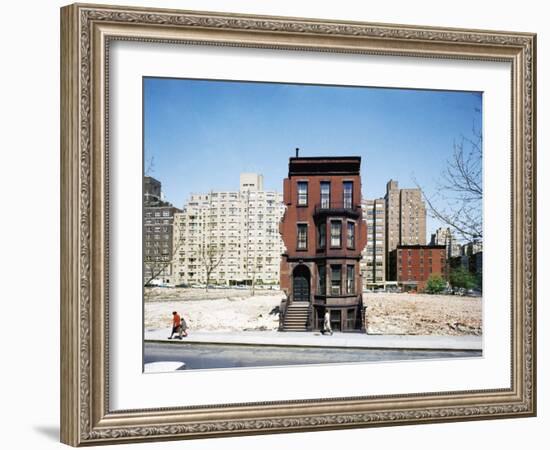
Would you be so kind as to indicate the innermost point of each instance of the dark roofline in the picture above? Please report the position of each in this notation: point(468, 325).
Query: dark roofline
point(324, 165)
point(320, 158)
point(151, 178)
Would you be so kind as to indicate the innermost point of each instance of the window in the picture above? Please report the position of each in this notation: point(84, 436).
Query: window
point(350, 279)
point(321, 235)
point(348, 194)
point(325, 194)
point(322, 280)
point(351, 319)
point(302, 193)
point(351, 235)
point(335, 234)
point(302, 236)
point(335, 280)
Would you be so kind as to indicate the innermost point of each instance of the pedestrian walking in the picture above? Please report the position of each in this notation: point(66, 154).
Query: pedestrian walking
point(184, 327)
point(326, 325)
point(176, 326)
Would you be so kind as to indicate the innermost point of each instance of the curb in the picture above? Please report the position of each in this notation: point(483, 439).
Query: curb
point(341, 347)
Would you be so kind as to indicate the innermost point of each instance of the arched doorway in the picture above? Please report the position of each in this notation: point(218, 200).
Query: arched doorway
point(301, 284)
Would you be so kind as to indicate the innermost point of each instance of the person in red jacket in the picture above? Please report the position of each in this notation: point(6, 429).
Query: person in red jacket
point(176, 326)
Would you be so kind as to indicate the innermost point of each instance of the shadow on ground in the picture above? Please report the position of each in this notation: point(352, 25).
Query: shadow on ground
point(51, 432)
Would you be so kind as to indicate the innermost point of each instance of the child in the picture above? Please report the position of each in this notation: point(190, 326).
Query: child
point(183, 327)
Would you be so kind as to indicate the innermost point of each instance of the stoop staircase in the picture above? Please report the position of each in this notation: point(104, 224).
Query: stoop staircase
point(296, 317)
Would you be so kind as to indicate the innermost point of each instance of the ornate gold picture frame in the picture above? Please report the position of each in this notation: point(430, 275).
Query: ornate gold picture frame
point(87, 31)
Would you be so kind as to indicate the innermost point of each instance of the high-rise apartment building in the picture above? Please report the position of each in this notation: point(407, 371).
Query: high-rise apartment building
point(405, 217)
point(152, 191)
point(444, 236)
point(373, 262)
point(230, 237)
point(158, 232)
point(251, 182)
point(472, 248)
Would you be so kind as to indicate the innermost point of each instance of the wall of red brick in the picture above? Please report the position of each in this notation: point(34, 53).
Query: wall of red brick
point(295, 214)
point(305, 214)
point(419, 264)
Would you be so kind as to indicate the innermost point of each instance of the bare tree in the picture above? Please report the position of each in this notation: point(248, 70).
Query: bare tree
point(256, 266)
point(210, 257)
point(459, 193)
point(155, 266)
point(209, 254)
point(149, 166)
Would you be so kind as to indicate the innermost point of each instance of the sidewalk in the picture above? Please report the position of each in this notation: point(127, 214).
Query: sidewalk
point(316, 339)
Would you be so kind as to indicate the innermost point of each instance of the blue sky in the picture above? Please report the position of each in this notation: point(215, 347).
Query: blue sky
point(203, 133)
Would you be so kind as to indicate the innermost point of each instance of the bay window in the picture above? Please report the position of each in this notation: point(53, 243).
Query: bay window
point(335, 280)
point(335, 234)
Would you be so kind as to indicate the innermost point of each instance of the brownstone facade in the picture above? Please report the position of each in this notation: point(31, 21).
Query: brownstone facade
point(413, 264)
point(324, 234)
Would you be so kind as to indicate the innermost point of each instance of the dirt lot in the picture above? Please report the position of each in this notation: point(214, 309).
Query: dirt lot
point(423, 314)
point(157, 294)
point(215, 310)
point(237, 310)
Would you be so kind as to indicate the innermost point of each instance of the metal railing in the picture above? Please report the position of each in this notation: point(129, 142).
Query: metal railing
point(329, 207)
point(283, 306)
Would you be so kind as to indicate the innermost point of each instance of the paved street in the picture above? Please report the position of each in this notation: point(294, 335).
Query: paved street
point(211, 356)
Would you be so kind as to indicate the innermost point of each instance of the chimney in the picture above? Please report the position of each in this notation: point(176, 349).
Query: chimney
point(297, 151)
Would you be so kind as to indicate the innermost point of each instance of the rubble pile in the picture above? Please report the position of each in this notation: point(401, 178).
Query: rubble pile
point(423, 314)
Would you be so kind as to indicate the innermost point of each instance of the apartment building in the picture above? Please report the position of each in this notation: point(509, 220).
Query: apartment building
point(230, 237)
point(405, 218)
point(472, 248)
point(152, 191)
point(444, 236)
point(373, 262)
point(412, 265)
point(158, 235)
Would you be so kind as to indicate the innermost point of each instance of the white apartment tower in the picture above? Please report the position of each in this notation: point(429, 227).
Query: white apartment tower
point(251, 182)
point(232, 234)
point(444, 236)
point(373, 263)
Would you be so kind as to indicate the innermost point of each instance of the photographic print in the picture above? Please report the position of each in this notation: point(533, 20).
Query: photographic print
point(291, 224)
point(249, 197)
